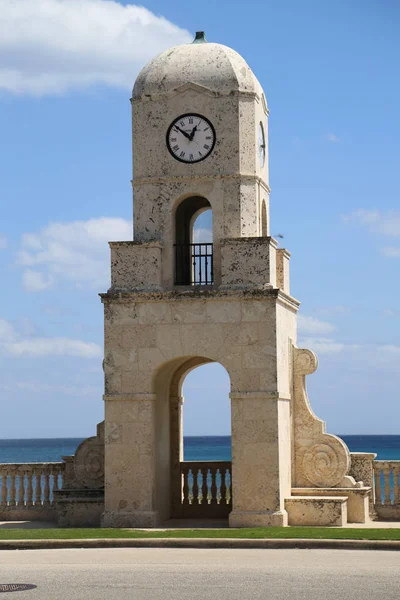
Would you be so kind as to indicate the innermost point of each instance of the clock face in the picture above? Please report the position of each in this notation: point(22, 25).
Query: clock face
point(190, 138)
point(261, 144)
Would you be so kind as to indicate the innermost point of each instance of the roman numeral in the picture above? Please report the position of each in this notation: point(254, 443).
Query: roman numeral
point(191, 156)
point(208, 137)
point(190, 120)
point(175, 148)
point(172, 140)
point(182, 154)
point(206, 146)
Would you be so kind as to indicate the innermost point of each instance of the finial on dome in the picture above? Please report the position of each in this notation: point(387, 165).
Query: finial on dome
point(200, 38)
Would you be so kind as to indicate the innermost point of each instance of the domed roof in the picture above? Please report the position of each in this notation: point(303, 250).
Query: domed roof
point(213, 66)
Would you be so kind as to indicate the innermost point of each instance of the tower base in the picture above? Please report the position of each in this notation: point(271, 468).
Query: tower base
point(244, 518)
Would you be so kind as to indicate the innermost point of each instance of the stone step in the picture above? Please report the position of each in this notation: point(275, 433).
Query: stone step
point(323, 511)
point(357, 500)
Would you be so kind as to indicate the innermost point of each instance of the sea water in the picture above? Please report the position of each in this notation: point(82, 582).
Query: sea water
point(387, 447)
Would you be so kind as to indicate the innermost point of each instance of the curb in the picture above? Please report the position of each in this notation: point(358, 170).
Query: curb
point(201, 543)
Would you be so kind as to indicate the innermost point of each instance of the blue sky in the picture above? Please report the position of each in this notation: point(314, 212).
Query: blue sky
point(330, 73)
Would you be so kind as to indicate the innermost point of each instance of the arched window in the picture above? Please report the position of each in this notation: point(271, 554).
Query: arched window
point(193, 242)
point(264, 224)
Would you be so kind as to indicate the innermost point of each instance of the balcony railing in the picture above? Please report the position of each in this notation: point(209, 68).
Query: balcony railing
point(28, 488)
point(194, 264)
point(206, 488)
point(387, 488)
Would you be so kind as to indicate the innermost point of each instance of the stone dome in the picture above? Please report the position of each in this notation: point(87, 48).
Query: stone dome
point(213, 66)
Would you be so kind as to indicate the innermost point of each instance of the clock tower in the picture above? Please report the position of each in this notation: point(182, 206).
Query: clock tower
point(200, 142)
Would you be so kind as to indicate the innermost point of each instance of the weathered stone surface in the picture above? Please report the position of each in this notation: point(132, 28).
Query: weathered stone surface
point(248, 263)
point(362, 469)
point(357, 500)
point(157, 331)
point(329, 511)
point(135, 266)
point(321, 459)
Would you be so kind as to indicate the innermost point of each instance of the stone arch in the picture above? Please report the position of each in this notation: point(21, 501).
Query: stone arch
point(167, 387)
point(185, 213)
point(264, 219)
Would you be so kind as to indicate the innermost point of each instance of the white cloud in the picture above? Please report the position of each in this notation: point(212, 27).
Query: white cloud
point(382, 223)
point(322, 345)
point(337, 309)
point(34, 281)
point(76, 252)
point(36, 387)
point(3, 241)
point(371, 354)
point(202, 235)
point(391, 251)
point(331, 137)
point(391, 312)
point(311, 325)
point(387, 223)
point(51, 46)
point(13, 343)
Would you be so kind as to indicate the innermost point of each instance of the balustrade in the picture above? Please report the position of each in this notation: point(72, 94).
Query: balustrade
point(206, 488)
point(29, 485)
point(387, 489)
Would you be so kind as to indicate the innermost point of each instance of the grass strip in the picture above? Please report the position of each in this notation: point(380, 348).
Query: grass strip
point(326, 533)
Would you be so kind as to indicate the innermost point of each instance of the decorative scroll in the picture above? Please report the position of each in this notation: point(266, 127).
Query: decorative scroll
point(89, 461)
point(321, 459)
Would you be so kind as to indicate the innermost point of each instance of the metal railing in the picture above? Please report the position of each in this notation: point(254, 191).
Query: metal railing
point(194, 264)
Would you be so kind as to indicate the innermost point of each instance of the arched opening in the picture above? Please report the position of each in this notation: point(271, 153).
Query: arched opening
point(206, 414)
point(193, 440)
point(193, 242)
point(264, 224)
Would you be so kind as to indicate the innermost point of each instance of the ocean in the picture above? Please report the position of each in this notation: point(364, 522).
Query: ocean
point(387, 447)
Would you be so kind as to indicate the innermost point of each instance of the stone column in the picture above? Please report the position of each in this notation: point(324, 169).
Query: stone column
point(260, 459)
point(176, 433)
point(130, 465)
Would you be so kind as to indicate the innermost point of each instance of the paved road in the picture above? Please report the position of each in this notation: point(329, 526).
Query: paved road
point(174, 574)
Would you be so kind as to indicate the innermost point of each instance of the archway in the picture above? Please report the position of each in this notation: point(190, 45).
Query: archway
point(193, 242)
point(199, 488)
point(264, 223)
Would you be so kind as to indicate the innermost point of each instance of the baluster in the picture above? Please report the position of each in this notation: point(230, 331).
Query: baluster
point(38, 487)
point(204, 488)
point(46, 487)
point(19, 488)
point(185, 474)
point(396, 497)
point(4, 476)
point(386, 485)
point(195, 496)
point(12, 489)
point(57, 477)
point(223, 487)
point(229, 486)
point(29, 487)
point(213, 485)
point(378, 484)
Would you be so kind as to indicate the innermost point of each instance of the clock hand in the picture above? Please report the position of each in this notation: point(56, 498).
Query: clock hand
point(183, 132)
point(193, 132)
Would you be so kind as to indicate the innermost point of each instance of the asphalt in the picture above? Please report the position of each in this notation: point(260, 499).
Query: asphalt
point(181, 574)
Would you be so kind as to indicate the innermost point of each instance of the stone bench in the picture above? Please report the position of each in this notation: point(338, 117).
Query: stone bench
point(357, 500)
point(320, 511)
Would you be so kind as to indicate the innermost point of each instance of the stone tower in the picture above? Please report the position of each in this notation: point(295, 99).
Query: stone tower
point(200, 141)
